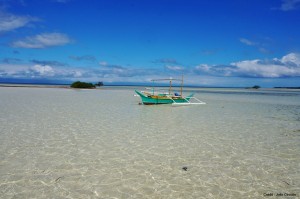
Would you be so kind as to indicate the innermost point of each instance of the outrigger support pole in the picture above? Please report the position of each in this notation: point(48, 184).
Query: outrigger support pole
point(181, 86)
point(152, 87)
point(170, 87)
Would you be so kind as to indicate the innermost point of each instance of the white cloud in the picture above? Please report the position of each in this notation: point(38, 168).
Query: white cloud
point(291, 58)
point(84, 57)
point(203, 67)
point(264, 50)
point(43, 41)
point(248, 42)
point(174, 68)
point(43, 70)
point(9, 22)
point(260, 46)
point(103, 63)
point(12, 70)
point(287, 66)
point(77, 74)
point(288, 5)
point(254, 68)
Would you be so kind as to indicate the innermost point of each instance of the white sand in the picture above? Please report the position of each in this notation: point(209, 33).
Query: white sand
point(64, 143)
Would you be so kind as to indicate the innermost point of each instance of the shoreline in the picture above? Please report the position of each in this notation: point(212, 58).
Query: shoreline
point(64, 86)
point(186, 89)
point(34, 86)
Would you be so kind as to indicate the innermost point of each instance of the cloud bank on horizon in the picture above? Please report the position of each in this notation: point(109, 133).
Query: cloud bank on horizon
point(286, 67)
point(145, 41)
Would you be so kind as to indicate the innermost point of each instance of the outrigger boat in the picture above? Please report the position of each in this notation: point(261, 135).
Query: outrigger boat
point(153, 97)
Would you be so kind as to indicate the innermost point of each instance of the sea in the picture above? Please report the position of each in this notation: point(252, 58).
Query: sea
point(101, 143)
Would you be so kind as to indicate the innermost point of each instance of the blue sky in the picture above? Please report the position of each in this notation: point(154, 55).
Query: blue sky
point(212, 43)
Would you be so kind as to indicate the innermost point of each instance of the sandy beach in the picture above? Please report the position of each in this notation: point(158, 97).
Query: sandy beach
point(99, 143)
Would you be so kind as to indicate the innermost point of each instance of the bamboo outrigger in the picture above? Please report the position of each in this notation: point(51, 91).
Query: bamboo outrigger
point(149, 98)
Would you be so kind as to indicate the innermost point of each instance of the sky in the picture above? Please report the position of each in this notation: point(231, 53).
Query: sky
point(228, 43)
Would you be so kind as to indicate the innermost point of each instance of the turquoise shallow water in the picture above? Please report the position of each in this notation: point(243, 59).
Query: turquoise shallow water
point(63, 143)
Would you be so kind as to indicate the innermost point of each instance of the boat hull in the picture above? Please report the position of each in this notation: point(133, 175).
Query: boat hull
point(150, 100)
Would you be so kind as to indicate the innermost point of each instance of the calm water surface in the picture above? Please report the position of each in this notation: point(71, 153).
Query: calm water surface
point(63, 143)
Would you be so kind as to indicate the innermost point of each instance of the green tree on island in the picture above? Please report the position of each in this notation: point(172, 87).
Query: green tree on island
point(99, 84)
point(80, 84)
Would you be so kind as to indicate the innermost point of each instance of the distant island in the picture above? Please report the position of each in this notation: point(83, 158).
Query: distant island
point(253, 87)
point(289, 87)
point(79, 84)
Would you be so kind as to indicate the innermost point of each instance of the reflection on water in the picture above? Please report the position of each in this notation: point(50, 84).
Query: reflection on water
point(62, 143)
